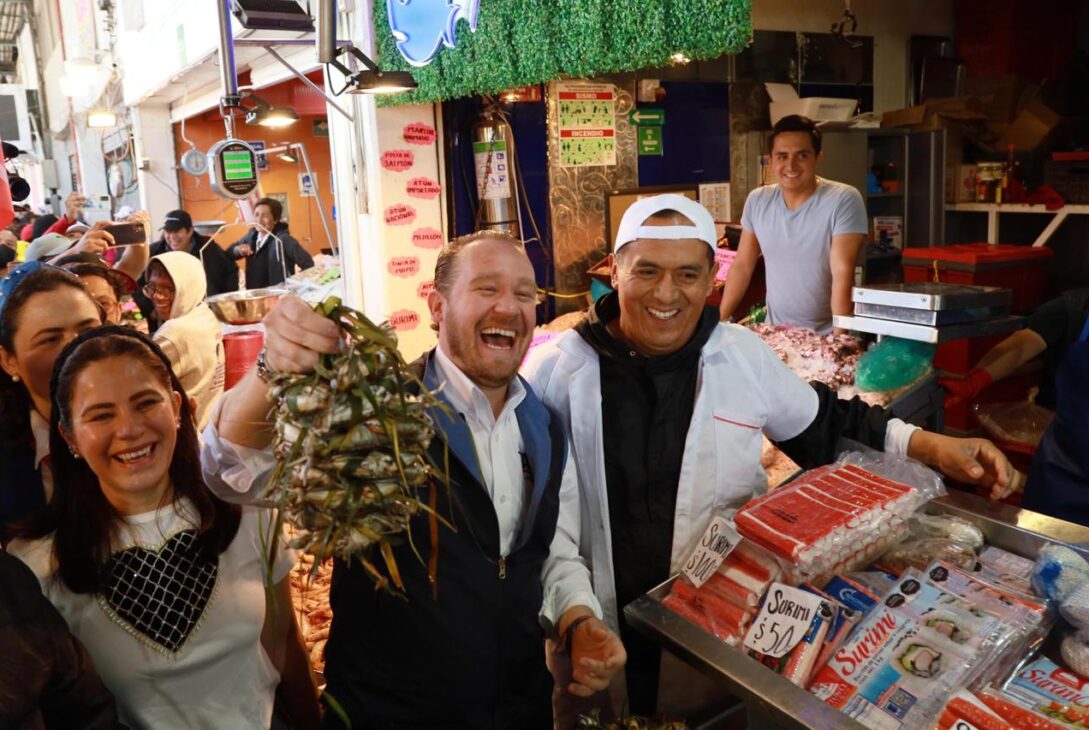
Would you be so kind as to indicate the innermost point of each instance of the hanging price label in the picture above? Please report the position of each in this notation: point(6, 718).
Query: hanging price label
point(717, 542)
point(783, 620)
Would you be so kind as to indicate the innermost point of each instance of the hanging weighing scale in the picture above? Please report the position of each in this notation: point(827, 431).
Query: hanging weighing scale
point(232, 168)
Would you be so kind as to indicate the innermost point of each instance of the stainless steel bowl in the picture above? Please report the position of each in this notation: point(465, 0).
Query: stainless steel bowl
point(245, 307)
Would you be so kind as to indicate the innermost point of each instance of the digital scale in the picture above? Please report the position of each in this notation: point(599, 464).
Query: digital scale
point(232, 168)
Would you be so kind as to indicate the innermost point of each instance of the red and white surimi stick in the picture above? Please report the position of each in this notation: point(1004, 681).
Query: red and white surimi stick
point(739, 574)
point(687, 610)
point(753, 555)
point(731, 591)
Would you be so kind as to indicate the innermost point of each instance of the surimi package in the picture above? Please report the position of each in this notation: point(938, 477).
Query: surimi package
point(1051, 689)
point(838, 517)
point(892, 673)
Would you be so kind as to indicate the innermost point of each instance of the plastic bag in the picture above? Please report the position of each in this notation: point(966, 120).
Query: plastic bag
point(1059, 570)
point(1022, 422)
point(839, 517)
point(936, 537)
point(893, 363)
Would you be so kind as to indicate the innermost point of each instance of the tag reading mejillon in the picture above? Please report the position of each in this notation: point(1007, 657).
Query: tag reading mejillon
point(783, 620)
point(717, 542)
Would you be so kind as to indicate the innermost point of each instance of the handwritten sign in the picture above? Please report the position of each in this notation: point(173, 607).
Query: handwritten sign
point(404, 319)
point(427, 238)
point(783, 620)
point(403, 266)
point(419, 133)
point(398, 160)
point(718, 541)
point(399, 215)
point(724, 257)
point(423, 291)
point(423, 187)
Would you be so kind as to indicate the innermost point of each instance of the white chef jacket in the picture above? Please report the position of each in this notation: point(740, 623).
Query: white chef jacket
point(743, 391)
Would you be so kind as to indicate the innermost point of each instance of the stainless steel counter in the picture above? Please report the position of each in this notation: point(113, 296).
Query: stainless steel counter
point(1009, 528)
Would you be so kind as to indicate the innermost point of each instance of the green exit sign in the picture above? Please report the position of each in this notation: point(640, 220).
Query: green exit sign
point(647, 117)
point(650, 141)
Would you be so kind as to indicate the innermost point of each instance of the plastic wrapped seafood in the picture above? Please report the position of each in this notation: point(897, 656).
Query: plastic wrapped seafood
point(726, 603)
point(838, 517)
point(892, 673)
point(1051, 690)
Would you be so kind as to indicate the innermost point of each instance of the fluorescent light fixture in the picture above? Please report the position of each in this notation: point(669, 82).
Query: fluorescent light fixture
point(680, 58)
point(288, 157)
point(101, 119)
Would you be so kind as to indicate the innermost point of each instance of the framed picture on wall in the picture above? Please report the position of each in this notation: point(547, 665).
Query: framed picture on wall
point(283, 199)
point(320, 127)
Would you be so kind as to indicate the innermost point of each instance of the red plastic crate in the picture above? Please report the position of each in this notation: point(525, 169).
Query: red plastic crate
point(1020, 268)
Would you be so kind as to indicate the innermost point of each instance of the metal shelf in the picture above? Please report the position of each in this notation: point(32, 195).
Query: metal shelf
point(1016, 530)
point(994, 209)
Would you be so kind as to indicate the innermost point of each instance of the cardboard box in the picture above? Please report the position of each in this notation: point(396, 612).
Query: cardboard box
point(1031, 128)
point(936, 114)
point(999, 96)
point(785, 101)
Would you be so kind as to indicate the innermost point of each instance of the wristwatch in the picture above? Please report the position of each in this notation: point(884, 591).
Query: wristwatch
point(264, 374)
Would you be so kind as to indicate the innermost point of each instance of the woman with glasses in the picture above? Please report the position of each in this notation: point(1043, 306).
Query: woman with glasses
point(189, 334)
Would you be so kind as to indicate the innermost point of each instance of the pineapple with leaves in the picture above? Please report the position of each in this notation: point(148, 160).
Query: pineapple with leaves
point(351, 445)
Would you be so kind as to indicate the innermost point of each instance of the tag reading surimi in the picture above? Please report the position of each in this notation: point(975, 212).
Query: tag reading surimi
point(783, 620)
point(717, 542)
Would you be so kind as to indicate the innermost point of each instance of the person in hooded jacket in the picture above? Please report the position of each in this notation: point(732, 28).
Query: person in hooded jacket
point(271, 253)
point(190, 334)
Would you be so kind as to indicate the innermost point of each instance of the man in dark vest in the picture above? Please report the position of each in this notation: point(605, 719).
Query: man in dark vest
point(470, 655)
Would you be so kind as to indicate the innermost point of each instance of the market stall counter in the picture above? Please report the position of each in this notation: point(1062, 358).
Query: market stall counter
point(771, 694)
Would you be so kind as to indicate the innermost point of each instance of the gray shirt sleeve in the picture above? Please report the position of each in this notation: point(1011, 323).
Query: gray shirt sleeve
point(850, 215)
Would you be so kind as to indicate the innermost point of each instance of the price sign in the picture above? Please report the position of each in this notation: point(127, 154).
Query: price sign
point(717, 542)
point(783, 620)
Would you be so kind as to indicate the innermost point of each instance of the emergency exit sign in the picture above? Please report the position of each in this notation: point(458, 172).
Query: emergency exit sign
point(647, 117)
point(650, 141)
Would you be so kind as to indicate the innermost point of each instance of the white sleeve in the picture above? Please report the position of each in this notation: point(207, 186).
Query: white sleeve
point(792, 403)
point(897, 436)
point(234, 473)
point(565, 576)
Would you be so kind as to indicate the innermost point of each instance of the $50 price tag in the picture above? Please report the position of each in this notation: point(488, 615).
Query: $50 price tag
point(783, 620)
point(717, 542)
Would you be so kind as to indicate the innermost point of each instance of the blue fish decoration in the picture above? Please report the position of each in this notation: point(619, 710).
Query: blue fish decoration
point(422, 27)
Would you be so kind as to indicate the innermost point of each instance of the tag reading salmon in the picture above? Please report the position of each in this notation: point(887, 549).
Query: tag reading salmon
point(717, 542)
point(783, 620)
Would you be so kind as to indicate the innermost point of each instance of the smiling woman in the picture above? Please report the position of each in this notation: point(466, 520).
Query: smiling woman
point(41, 309)
point(136, 547)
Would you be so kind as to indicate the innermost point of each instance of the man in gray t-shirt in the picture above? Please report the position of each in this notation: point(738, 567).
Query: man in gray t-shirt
point(809, 231)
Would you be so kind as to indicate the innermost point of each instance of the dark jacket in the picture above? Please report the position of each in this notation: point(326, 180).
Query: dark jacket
point(22, 494)
point(266, 267)
point(474, 657)
point(47, 679)
point(219, 268)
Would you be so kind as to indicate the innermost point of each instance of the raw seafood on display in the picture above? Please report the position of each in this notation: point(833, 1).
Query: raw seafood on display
point(829, 359)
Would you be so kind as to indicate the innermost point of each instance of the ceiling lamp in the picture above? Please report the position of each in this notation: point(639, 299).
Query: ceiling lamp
point(101, 118)
point(260, 112)
point(286, 156)
point(372, 80)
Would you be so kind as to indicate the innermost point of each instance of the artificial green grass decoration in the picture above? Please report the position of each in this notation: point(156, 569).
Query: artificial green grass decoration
point(520, 42)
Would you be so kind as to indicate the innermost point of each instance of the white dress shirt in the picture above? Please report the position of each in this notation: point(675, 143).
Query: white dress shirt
point(497, 440)
point(39, 428)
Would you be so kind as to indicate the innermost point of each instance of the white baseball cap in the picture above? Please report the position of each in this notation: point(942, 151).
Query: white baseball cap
point(631, 225)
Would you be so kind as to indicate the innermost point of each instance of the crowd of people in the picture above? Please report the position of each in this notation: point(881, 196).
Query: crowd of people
point(577, 478)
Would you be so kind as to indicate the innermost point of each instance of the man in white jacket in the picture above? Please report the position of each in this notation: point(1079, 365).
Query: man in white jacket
point(190, 334)
point(665, 407)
